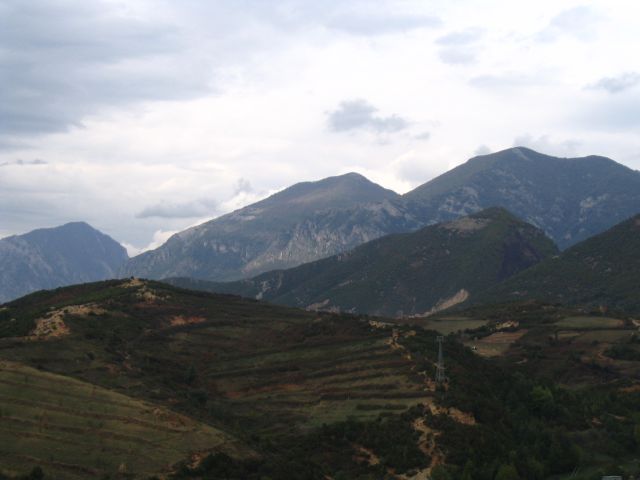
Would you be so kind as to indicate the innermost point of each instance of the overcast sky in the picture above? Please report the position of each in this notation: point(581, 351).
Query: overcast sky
point(145, 117)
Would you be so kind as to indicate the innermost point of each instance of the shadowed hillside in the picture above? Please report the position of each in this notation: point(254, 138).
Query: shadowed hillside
point(408, 274)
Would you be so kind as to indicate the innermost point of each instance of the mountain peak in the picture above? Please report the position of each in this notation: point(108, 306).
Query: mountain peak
point(52, 257)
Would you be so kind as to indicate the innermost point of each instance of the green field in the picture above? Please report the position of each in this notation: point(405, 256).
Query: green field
point(446, 325)
point(77, 430)
point(589, 323)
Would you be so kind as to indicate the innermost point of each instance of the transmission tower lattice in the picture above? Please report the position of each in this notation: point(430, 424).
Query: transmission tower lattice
point(440, 376)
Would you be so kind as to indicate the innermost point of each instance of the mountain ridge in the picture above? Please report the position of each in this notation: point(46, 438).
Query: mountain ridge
point(409, 273)
point(53, 257)
point(600, 272)
point(569, 198)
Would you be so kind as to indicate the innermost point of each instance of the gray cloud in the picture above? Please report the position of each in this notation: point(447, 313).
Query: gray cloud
point(359, 114)
point(193, 209)
point(64, 61)
point(482, 150)
point(242, 186)
point(546, 144)
point(463, 37)
point(369, 24)
point(507, 80)
point(617, 84)
point(579, 22)
point(457, 55)
point(614, 113)
point(458, 48)
point(61, 61)
point(423, 136)
point(21, 162)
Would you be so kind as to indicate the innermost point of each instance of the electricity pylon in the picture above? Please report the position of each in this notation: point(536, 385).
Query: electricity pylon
point(440, 376)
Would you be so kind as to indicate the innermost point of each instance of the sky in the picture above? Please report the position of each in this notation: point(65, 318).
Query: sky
point(145, 117)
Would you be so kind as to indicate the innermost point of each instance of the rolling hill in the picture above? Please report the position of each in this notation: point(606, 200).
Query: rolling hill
point(53, 257)
point(131, 378)
point(601, 271)
point(405, 274)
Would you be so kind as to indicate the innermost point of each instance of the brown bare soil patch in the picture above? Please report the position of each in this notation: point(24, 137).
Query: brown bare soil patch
point(631, 389)
point(504, 337)
point(365, 455)
point(180, 320)
point(53, 325)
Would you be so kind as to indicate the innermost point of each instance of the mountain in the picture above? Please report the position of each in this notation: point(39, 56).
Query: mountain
point(52, 257)
point(406, 274)
point(302, 223)
point(602, 271)
point(571, 199)
point(138, 379)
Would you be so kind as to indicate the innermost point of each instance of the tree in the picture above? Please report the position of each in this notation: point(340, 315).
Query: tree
point(507, 472)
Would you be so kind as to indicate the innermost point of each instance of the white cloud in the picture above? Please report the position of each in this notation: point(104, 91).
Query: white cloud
point(196, 108)
point(620, 83)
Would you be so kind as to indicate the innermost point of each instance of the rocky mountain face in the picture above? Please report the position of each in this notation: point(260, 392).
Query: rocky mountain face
point(569, 198)
point(602, 271)
point(406, 274)
point(300, 224)
point(53, 257)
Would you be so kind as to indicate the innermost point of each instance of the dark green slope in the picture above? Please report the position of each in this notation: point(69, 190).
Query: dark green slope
point(137, 375)
point(601, 271)
point(407, 274)
point(571, 199)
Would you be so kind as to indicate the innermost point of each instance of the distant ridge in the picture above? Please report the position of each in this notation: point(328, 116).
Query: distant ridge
point(302, 223)
point(53, 257)
point(570, 199)
point(406, 274)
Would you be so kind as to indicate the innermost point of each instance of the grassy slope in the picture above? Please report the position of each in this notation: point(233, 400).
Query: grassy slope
point(602, 270)
point(258, 371)
point(77, 430)
point(409, 273)
point(308, 391)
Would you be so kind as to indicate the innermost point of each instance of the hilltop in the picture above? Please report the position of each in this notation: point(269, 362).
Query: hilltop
point(600, 272)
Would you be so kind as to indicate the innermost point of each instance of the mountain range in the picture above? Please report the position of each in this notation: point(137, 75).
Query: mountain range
point(53, 257)
point(414, 273)
point(300, 224)
point(569, 198)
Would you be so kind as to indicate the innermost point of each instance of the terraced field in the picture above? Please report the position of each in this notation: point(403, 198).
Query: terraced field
point(77, 430)
point(253, 370)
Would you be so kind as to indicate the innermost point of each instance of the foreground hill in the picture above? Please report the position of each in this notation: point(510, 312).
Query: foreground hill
point(121, 379)
point(300, 224)
point(406, 274)
point(601, 271)
point(53, 257)
point(571, 199)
